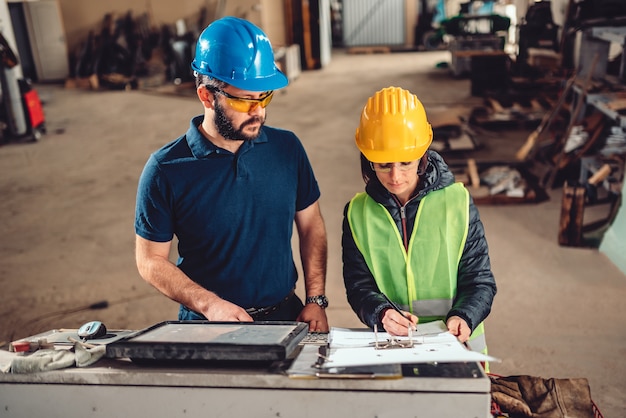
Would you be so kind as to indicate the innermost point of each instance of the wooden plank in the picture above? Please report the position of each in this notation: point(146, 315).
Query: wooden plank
point(602, 173)
point(545, 123)
point(476, 190)
point(369, 50)
point(572, 210)
point(306, 28)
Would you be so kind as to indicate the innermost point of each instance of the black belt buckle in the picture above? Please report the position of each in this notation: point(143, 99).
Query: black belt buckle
point(261, 311)
point(269, 309)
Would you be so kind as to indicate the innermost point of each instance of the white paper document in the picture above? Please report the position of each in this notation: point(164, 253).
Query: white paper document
point(431, 343)
point(349, 337)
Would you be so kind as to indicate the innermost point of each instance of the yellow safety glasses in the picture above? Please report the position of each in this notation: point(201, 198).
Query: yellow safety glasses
point(244, 105)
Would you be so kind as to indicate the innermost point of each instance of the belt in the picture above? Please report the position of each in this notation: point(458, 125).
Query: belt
point(269, 309)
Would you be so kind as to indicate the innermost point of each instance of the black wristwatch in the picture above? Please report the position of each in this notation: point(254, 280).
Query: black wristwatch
point(321, 301)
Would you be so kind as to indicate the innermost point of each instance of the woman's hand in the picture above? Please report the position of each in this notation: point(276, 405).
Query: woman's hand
point(397, 323)
point(459, 328)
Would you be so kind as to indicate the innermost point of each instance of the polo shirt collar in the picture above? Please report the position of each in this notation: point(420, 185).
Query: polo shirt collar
point(201, 147)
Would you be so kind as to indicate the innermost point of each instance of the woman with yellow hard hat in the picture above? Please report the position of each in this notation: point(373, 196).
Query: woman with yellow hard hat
point(413, 245)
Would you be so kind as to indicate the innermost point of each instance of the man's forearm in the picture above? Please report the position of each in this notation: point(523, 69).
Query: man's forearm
point(173, 283)
point(314, 255)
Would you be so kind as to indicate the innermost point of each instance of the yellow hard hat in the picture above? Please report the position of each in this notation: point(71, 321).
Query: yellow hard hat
point(393, 127)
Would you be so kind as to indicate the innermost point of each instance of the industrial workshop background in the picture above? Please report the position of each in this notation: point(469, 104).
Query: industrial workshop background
point(505, 47)
point(554, 71)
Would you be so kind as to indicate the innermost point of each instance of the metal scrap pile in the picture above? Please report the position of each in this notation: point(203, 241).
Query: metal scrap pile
point(126, 52)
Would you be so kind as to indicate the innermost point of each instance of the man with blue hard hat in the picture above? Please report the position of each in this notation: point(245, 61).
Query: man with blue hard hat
point(230, 190)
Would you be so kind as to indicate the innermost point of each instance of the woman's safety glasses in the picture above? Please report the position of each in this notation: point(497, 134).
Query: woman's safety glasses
point(386, 167)
point(245, 105)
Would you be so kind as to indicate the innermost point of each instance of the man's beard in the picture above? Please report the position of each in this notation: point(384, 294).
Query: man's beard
point(226, 128)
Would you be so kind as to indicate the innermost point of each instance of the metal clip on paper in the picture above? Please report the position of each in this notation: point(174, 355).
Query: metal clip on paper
point(392, 342)
point(322, 356)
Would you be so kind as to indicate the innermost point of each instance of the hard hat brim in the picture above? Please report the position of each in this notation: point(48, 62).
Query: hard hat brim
point(276, 81)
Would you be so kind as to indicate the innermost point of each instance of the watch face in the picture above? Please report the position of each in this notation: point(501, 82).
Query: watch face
point(319, 300)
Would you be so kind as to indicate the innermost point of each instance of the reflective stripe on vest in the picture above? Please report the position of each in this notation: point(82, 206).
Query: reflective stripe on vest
point(428, 288)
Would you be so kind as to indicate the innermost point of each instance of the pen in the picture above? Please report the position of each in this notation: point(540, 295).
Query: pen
point(394, 306)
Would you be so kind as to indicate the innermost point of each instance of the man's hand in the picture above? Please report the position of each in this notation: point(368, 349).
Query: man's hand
point(315, 316)
point(223, 310)
point(459, 328)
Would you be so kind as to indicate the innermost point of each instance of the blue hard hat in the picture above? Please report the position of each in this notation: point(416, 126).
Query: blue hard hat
point(239, 53)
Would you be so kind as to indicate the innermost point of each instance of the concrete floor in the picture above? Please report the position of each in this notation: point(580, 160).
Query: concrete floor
point(68, 237)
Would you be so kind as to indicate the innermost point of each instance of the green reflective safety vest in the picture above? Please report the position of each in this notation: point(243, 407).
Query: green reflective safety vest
point(426, 289)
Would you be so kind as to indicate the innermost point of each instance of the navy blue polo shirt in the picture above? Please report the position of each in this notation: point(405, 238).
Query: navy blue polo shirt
point(233, 214)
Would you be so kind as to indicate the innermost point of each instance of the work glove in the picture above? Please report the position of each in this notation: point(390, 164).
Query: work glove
point(506, 393)
point(535, 397)
point(51, 359)
point(42, 360)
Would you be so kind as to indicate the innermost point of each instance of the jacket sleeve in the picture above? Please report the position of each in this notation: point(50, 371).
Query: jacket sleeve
point(362, 292)
point(476, 286)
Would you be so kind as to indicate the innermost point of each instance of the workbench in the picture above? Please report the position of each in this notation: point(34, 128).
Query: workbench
point(122, 388)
